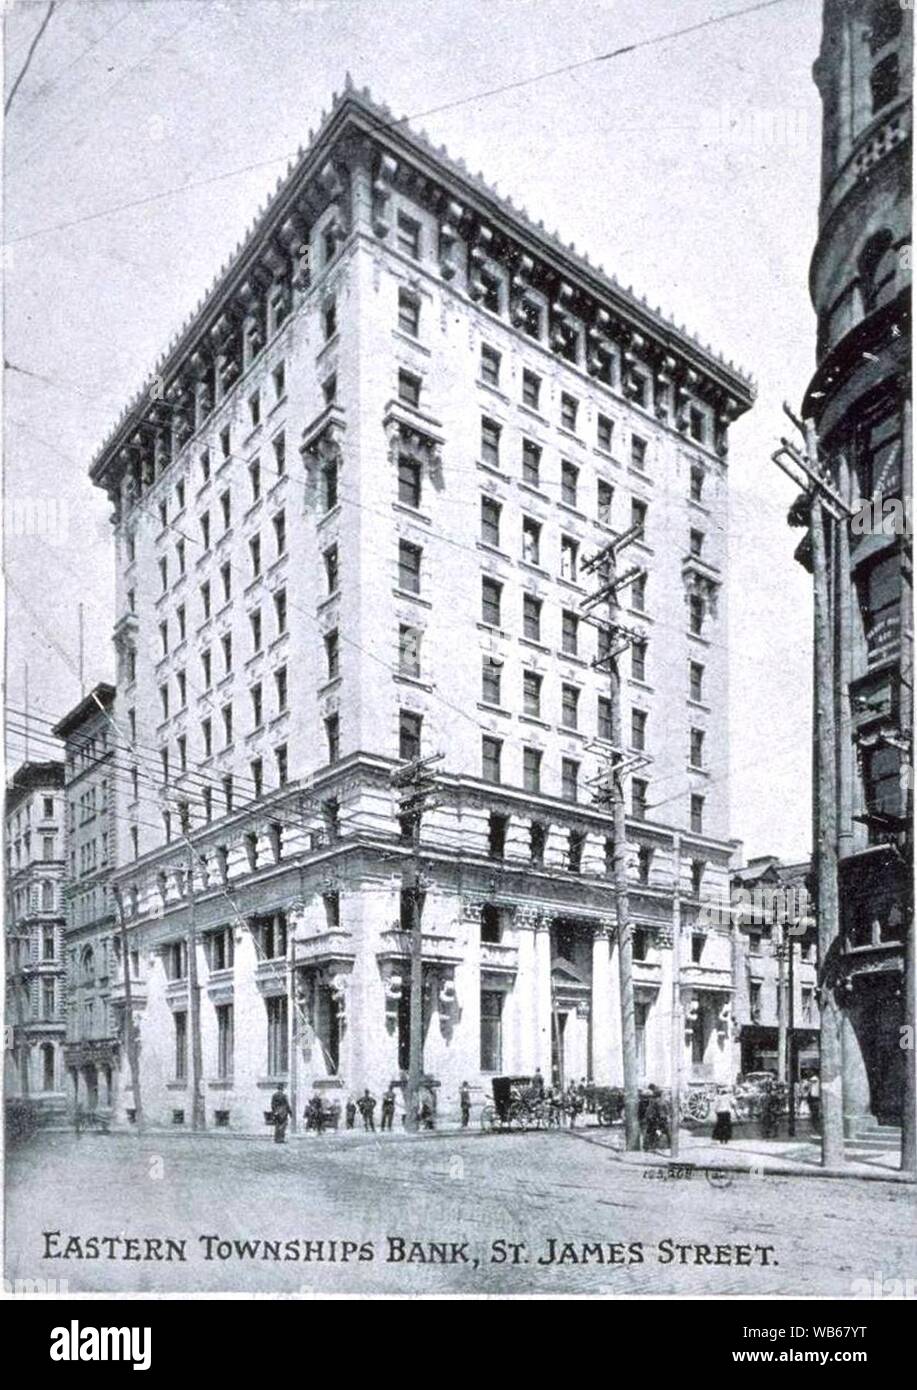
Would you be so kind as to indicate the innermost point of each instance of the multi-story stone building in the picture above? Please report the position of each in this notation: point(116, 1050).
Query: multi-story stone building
point(859, 399)
point(771, 915)
point(91, 1050)
point(351, 515)
point(34, 1016)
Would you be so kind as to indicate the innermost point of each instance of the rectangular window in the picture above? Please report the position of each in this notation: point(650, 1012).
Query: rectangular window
point(531, 389)
point(332, 655)
point(491, 593)
point(330, 319)
point(331, 569)
point(226, 714)
point(497, 827)
point(408, 313)
point(569, 558)
point(638, 792)
point(491, 750)
point(277, 1037)
point(531, 540)
point(180, 1040)
point(254, 409)
point(695, 542)
point(409, 481)
point(280, 688)
point(280, 453)
point(605, 497)
point(644, 863)
point(279, 378)
point(569, 409)
point(696, 680)
point(569, 706)
point(491, 1030)
point(697, 748)
point(605, 433)
point(530, 315)
point(257, 775)
point(409, 567)
point(280, 611)
point(490, 365)
point(330, 389)
point(254, 622)
point(697, 483)
point(333, 737)
point(409, 736)
point(697, 815)
point(638, 513)
point(531, 463)
point(491, 678)
point(569, 637)
point(279, 523)
point(697, 424)
point(205, 599)
point(281, 763)
point(490, 293)
point(569, 481)
point(490, 521)
point(531, 769)
point(531, 617)
point(409, 651)
point(254, 477)
point(205, 531)
point(490, 442)
point(254, 547)
point(226, 644)
point(696, 614)
point(531, 694)
point(224, 1041)
point(409, 388)
point(638, 594)
point(638, 453)
point(604, 718)
point(207, 736)
point(226, 581)
point(569, 777)
point(638, 718)
point(408, 236)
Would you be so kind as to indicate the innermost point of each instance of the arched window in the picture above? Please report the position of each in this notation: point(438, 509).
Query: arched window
point(878, 271)
point(87, 966)
point(885, 20)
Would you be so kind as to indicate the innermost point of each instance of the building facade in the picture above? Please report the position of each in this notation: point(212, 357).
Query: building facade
point(775, 1031)
point(351, 513)
point(859, 399)
point(91, 1049)
point(35, 980)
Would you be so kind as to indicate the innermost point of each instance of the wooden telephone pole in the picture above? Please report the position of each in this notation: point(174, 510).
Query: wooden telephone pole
point(611, 789)
point(827, 509)
point(130, 1035)
point(198, 1114)
point(416, 785)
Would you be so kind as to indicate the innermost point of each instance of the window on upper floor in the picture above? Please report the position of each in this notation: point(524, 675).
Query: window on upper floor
point(490, 521)
point(532, 682)
point(569, 779)
point(531, 463)
point(409, 561)
point(408, 236)
point(638, 794)
point(569, 483)
point(604, 433)
point(569, 410)
point(696, 680)
point(490, 442)
point(695, 542)
point(569, 558)
point(531, 769)
point(408, 313)
point(531, 389)
point(531, 540)
point(254, 478)
point(410, 727)
point(696, 614)
point(638, 723)
point(638, 453)
point(254, 623)
point(409, 651)
point(491, 680)
point(329, 319)
point(696, 749)
point(332, 655)
point(531, 617)
point(409, 481)
point(569, 632)
point(697, 483)
point(409, 388)
point(490, 365)
point(491, 754)
point(605, 497)
point(280, 688)
point(491, 596)
point(569, 706)
point(604, 721)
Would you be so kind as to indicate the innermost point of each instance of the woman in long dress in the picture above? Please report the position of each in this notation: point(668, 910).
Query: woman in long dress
point(722, 1130)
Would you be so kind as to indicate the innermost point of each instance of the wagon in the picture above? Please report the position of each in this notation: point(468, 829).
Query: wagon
point(518, 1103)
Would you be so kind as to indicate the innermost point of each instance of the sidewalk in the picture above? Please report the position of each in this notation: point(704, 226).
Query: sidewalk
point(757, 1157)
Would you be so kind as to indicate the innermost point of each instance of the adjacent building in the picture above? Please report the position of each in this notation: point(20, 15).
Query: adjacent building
point(93, 979)
point(776, 1013)
point(35, 868)
point(351, 514)
point(859, 399)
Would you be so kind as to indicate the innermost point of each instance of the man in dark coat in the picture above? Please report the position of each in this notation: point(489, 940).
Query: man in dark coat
point(367, 1105)
point(388, 1108)
point(280, 1114)
point(465, 1103)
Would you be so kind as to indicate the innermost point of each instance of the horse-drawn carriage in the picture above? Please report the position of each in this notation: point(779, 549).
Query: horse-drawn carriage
point(518, 1103)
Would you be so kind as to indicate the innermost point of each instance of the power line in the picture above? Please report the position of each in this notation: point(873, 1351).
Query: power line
point(28, 57)
point(401, 120)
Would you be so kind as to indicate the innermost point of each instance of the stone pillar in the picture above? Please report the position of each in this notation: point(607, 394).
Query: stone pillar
point(518, 841)
point(602, 1006)
point(855, 1079)
point(616, 1053)
point(543, 1020)
point(524, 995)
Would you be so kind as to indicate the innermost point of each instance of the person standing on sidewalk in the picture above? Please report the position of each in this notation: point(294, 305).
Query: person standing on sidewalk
point(814, 1099)
point(725, 1106)
point(465, 1103)
point(367, 1105)
point(388, 1108)
point(350, 1112)
point(281, 1111)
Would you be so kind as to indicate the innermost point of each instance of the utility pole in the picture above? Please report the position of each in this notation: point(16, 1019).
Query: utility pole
point(678, 1025)
point(791, 1025)
point(781, 942)
point(827, 508)
point(611, 788)
point(130, 1036)
point(198, 1117)
point(416, 785)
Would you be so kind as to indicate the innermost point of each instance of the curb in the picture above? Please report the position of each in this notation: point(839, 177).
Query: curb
point(765, 1168)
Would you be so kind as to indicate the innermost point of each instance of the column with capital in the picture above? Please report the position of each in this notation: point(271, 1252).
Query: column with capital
point(602, 1004)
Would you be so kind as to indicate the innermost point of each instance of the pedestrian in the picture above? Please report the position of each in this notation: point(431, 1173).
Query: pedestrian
point(368, 1110)
point(281, 1110)
point(725, 1106)
point(770, 1111)
point(315, 1113)
point(465, 1103)
point(655, 1125)
point(388, 1108)
point(814, 1099)
point(572, 1103)
point(426, 1115)
point(350, 1112)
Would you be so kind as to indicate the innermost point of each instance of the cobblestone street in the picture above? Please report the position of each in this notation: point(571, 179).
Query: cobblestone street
point(551, 1194)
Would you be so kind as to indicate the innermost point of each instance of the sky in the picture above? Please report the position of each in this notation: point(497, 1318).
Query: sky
point(688, 168)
